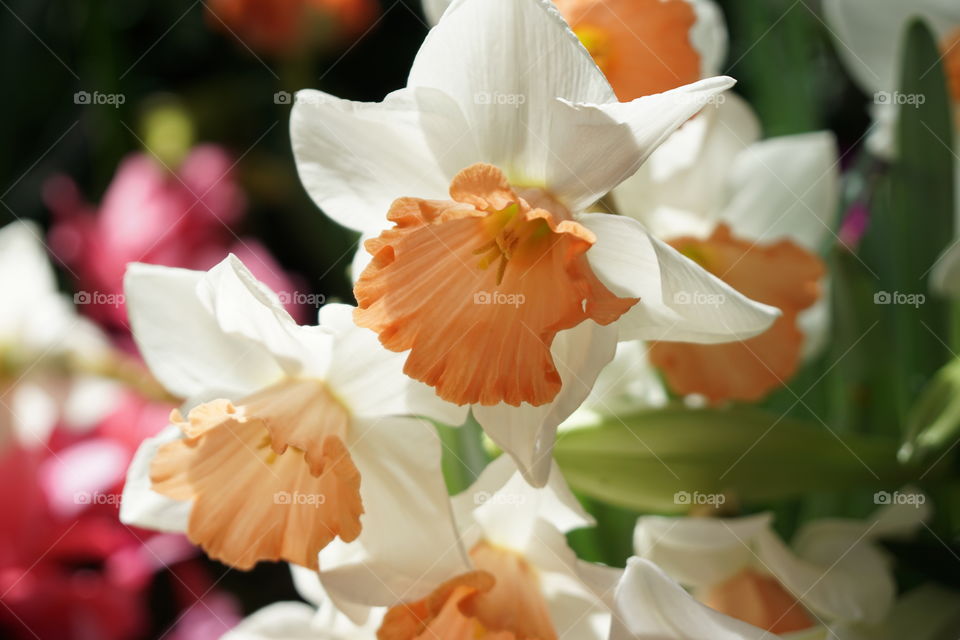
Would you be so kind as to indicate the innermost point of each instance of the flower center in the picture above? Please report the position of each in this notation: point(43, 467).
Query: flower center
point(270, 478)
point(502, 600)
point(642, 46)
point(760, 600)
point(477, 288)
point(780, 274)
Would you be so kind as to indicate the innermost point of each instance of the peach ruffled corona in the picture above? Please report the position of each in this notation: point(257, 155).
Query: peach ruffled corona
point(642, 46)
point(780, 274)
point(478, 287)
point(761, 601)
point(270, 477)
point(500, 601)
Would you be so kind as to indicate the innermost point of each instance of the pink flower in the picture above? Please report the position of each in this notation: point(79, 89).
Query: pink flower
point(149, 214)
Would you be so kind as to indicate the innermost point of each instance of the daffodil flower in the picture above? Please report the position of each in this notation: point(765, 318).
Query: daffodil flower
point(870, 38)
point(755, 213)
point(40, 334)
point(291, 436)
point(519, 580)
point(835, 574)
point(470, 186)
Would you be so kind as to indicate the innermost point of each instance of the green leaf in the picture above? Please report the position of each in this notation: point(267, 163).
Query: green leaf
point(913, 219)
point(645, 460)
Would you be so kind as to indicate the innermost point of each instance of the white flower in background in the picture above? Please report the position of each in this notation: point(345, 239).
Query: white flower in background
point(835, 574)
point(642, 46)
point(40, 335)
point(870, 37)
point(293, 435)
point(470, 186)
point(522, 581)
point(755, 213)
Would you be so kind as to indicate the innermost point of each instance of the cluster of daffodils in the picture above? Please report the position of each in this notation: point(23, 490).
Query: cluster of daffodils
point(491, 281)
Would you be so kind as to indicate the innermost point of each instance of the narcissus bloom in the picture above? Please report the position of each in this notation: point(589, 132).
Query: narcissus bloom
point(511, 576)
point(836, 574)
point(470, 186)
point(291, 436)
point(41, 336)
point(755, 214)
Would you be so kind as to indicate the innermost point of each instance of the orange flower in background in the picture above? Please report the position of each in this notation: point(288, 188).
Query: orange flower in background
point(642, 46)
point(780, 274)
point(285, 27)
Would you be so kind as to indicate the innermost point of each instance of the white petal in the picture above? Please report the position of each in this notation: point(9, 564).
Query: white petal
point(682, 187)
point(181, 341)
point(709, 36)
point(505, 62)
point(278, 621)
point(329, 617)
point(699, 552)
point(508, 510)
point(408, 544)
point(356, 158)
point(245, 307)
point(25, 271)
point(786, 188)
point(527, 433)
point(869, 34)
point(651, 606)
point(590, 150)
point(141, 506)
point(856, 587)
point(370, 378)
point(433, 9)
point(678, 299)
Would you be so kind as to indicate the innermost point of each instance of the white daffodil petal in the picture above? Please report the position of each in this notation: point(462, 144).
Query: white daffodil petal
point(25, 273)
point(709, 36)
point(527, 433)
point(869, 34)
point(651, 606)
point(244, 306)
point(786, 188)
point(356, 158)
point(198, 357)
point(504, 62)
point(279, 621)
point(508, 509)
point(682, 187)
point(856, 587)
point(408, 544)
point(678, 299)
point(699, 552)
point(141, 506)
point(602, 131)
